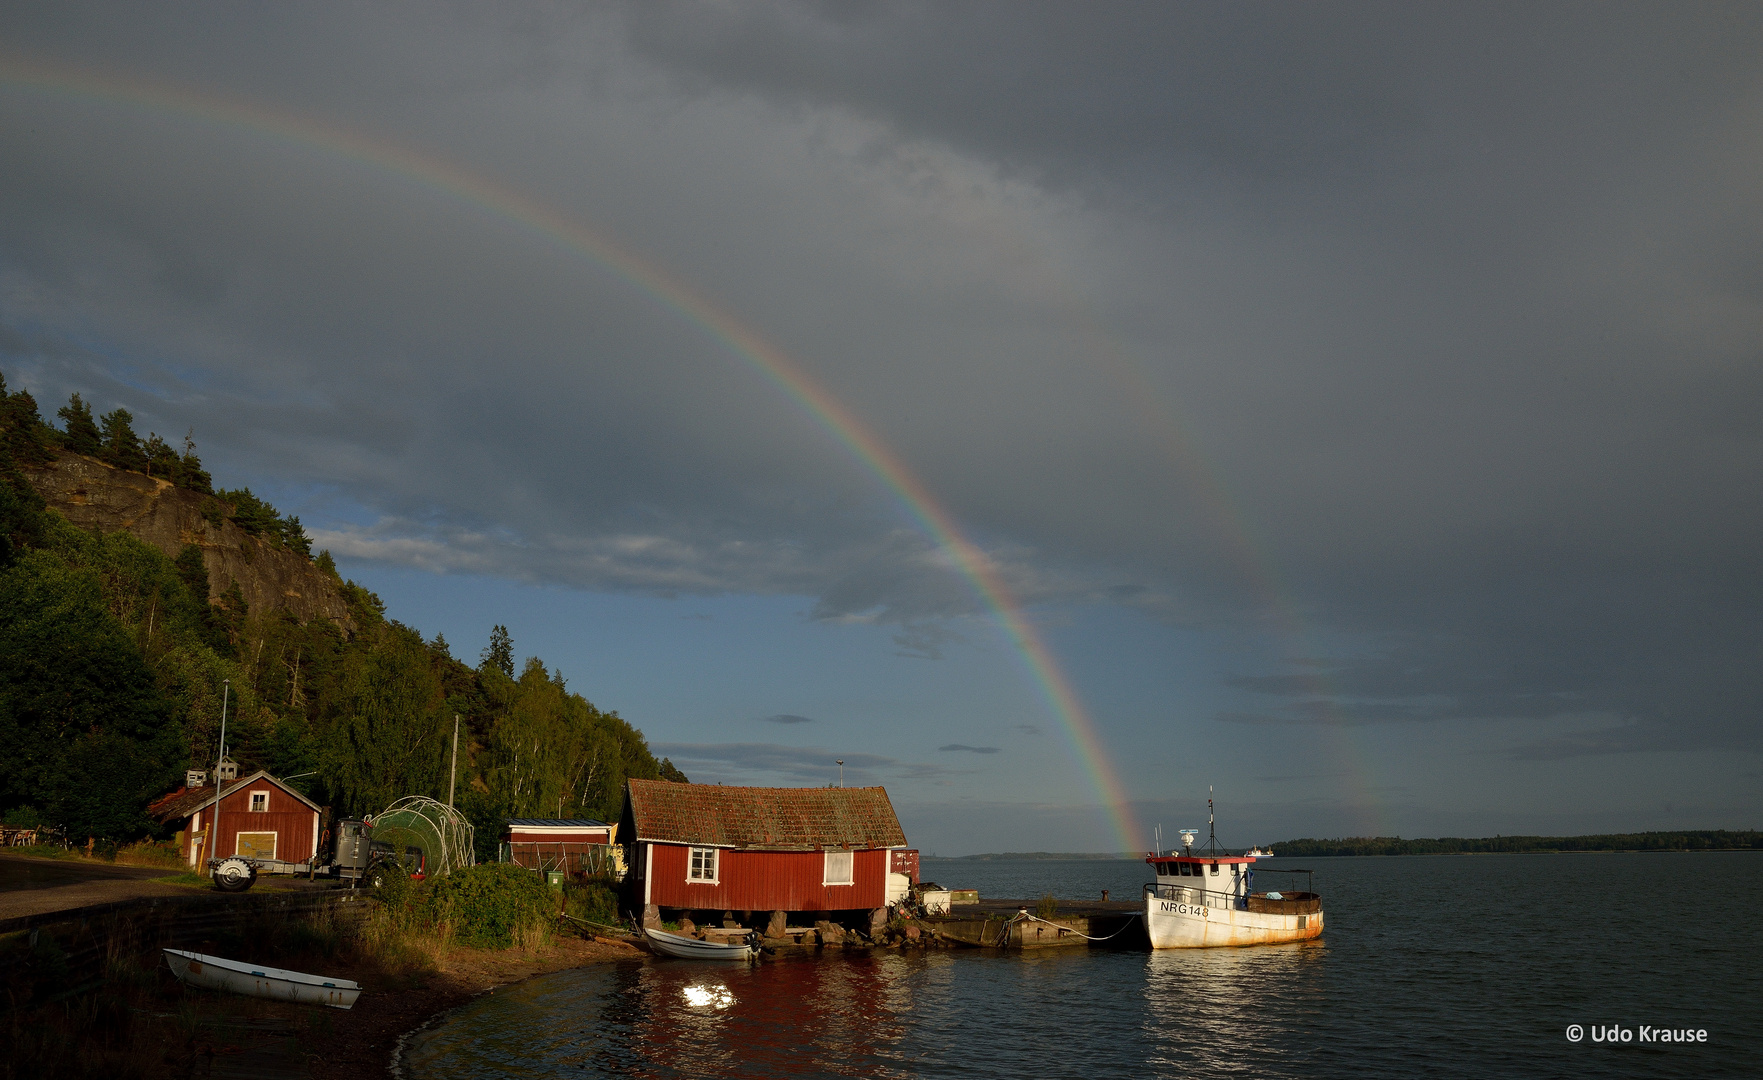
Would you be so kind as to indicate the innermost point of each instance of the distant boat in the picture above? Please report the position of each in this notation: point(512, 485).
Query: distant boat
point(1257, 853)
point(256, 980)
point(686, 948)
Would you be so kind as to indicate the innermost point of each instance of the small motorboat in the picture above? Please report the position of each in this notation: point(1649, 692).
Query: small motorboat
point(686, 948)
point(256, 980)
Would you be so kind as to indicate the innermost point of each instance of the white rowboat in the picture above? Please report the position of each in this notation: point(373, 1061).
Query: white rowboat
point(685, 948)
point(255, 980)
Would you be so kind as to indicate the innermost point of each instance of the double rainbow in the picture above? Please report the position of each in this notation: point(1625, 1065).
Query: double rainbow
point(553, 227)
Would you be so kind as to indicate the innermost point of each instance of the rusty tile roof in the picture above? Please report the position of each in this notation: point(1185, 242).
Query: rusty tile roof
point(185, 801)
point(779, 819)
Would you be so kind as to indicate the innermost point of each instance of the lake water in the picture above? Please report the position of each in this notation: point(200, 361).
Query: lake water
point(1445, 966)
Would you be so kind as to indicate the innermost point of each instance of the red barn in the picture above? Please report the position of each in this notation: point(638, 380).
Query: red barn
point(260, 817)
point(705, 847)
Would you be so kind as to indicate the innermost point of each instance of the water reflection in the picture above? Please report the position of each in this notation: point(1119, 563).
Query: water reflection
point(1226, 1012)
point(679, 1018)
point(1399, 986)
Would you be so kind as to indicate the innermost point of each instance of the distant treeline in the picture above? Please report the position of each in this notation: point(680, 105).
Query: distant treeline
point(1698, 840)
point(1039, 856)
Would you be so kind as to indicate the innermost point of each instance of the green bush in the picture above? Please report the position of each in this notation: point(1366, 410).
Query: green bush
point(491, 904)
point(591, 901)
point(1047, 906)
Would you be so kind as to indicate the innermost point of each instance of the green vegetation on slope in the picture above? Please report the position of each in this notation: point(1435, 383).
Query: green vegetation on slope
point(113, 669)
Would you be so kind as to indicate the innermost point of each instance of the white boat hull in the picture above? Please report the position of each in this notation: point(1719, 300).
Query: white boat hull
point(255, 980)
point(685, 948)
point(1175, 922)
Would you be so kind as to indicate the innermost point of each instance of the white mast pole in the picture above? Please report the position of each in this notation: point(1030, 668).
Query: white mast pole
point(226, 694)
point(453, 777)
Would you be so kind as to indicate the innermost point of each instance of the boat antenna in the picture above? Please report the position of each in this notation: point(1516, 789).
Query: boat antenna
point(1212, 830)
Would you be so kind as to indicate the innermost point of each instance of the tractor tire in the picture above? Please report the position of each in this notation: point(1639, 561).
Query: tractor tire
point(234, 875)
point(382, 872)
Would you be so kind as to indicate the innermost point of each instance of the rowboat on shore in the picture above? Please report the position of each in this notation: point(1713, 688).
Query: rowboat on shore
point(686, 948)
point(256, 980)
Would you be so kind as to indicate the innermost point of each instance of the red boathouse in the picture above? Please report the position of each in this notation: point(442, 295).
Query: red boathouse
point(260, 817)
point(707, 847)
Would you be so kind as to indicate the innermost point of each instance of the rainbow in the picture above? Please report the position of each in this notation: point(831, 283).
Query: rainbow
point(674, 294)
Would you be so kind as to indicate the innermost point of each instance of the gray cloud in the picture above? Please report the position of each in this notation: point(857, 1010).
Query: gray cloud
point(771, 762)
point(969, 749)
point(787, 718)
point(1431, 332)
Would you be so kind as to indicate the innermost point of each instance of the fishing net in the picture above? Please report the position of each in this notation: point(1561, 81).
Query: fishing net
point(438, 829)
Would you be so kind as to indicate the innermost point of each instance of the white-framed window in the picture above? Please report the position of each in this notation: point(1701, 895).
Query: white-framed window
point(260, 802)
point(839, 866)
point(701, 864)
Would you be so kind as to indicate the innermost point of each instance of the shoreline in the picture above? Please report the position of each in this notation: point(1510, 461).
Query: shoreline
point(206, 1028)
point(368, 1038)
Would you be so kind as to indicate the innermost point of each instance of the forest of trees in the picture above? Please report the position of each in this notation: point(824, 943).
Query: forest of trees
point(114, 666)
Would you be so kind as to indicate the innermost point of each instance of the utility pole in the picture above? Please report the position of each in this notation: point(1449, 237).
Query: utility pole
point(841, 762)
point(226, 694)
point(453, 777)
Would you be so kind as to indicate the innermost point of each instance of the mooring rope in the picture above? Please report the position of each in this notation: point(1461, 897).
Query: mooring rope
point(1023, 916)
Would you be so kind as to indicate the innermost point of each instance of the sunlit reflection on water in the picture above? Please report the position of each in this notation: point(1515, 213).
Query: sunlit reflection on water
point(713, 997)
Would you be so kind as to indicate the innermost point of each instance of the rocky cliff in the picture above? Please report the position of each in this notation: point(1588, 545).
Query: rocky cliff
point(92, 494)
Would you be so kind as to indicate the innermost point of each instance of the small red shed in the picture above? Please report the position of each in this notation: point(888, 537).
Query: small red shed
point(260, 817)
point(707, 847)
point(554, 843)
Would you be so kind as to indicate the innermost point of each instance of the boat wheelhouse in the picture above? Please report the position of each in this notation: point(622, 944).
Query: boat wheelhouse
point(1206, 898)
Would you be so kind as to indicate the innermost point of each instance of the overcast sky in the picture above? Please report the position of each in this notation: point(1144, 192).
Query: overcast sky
point(1364, 401)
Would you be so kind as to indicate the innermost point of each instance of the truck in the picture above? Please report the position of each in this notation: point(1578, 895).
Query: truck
point(353, 857)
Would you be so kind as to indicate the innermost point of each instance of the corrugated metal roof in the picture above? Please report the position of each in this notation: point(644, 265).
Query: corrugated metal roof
point(570, 823)
point(779, 819)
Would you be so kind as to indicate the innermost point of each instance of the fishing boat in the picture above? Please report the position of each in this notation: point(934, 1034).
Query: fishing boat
point(256, 980)
point(688, 948)
point(1204, 898)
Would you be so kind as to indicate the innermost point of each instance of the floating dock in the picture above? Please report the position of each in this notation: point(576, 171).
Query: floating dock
point(994, 924)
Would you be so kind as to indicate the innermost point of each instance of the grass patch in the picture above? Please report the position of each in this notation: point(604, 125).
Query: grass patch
point(188, 878)
point(152, 853)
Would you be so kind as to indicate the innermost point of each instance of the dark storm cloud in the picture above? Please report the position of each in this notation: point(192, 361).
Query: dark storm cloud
point(969, 749)
point(767, 762)
point(787, 718)
point(1435, 330)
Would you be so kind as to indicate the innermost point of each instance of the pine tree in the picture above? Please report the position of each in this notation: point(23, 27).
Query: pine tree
point(81, 435)
point(162, 460)
point(22, 431)
point(190, 472)
point(500, 654)
point(122, 447)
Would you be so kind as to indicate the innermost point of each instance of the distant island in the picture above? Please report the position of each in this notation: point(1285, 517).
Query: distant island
point(1698, 840)
point(1695, 840)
